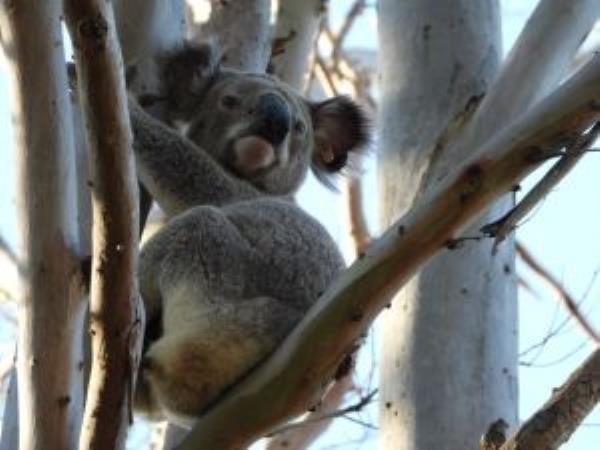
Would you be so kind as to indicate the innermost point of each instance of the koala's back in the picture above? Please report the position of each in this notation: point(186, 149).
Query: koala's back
point(295, 258)
point(231, 283)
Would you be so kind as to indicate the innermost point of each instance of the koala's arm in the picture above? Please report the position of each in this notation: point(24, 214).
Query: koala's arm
point(178, 173)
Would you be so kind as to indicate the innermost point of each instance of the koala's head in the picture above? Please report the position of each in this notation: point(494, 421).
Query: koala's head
point(257, 127)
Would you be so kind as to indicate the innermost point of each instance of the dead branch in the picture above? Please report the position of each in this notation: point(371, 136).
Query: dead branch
point(300, 435)
point(353, 13)
point(554, 423)
point(566, 298)
point(573, 153)
point(115, 318)
point(323, 416)
point(310, 355)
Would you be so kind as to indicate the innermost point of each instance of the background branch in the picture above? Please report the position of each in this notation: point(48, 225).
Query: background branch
point(538, 61)
point(573, 153)
point(51, 306)
point(554, 423)
point(295, 32)
point(568, 301)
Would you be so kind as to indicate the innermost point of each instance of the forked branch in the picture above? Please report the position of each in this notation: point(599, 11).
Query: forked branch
point(292, 378)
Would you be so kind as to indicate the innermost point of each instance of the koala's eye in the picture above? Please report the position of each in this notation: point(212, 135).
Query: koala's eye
point(230, 102)
point(299, 126)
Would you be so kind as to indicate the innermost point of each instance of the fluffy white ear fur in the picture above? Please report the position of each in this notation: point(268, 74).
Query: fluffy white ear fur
point(341, 129)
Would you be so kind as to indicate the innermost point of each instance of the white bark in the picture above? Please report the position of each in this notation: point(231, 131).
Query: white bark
point(296, 29)
point(242, 30)
point(146, 27)
point(448, 362)
point(50, 316)
point(539, 60)
point(9, 435)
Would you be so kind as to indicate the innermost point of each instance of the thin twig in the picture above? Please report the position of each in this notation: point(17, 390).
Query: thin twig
point(567, 299)
point(300, 435)
point(356, 221)
point(7, 250)
point(353, 13)
point(324, 74)
point(554, 423)
point(358, 406)
point(501, 228)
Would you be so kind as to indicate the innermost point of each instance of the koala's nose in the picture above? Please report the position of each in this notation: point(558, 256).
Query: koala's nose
point(273, 121)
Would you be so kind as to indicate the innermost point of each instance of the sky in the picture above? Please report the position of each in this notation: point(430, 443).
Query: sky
point(562, 233)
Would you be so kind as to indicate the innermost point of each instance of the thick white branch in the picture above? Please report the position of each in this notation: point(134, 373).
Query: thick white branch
point(243, 33)
point(289, 381)
point(539, 60)
point(146, 27)
point(295, 32)
point(50, 316)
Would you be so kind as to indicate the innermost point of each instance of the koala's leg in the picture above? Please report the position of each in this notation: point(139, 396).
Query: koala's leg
point(194, 273)
point(189, 368)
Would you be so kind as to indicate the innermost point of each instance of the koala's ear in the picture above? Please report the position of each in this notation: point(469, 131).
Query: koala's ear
point(341, 129)
point(188, 68)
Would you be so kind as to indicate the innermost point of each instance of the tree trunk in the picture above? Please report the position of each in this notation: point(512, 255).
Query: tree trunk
point(242, 31)
point(50, 316)
point(295, 32)
point(449, 351)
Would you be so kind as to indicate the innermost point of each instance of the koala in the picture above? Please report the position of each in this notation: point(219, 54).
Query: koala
point(238, 264)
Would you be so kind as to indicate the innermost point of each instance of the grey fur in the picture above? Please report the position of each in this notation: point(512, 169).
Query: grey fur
point(240, 263)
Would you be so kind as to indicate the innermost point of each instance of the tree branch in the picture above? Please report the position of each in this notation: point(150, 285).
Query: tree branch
point(567, 299)
point(6, 250)
point(296, 29)
point(292, 378)
point(554, 423)
point(115, 320)
point(355, 219)
point(535, 65)
point(51, 306)
point(243, 32)
point(300, 435)
point(574, 152)
point(353, 13)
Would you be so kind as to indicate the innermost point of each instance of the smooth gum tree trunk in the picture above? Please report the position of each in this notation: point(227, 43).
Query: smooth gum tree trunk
point(49, 368)
point(449, 342)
